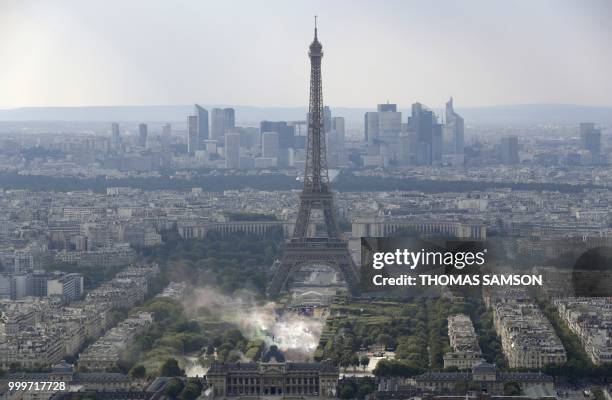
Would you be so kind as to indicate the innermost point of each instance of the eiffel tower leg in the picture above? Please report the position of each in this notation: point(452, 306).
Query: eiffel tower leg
point(303, 219)
point(279, 280)
point(349, 273)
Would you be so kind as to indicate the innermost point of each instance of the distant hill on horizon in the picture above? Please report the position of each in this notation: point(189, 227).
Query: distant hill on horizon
point(521, 114)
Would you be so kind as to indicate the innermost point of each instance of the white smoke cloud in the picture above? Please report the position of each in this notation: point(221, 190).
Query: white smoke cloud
point(296, 335)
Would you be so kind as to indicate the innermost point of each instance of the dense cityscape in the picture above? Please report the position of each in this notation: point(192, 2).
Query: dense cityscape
point(546, 191)
point(216, 257)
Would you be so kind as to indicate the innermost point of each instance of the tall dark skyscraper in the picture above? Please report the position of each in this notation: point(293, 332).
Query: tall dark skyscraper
point(115, 135)
point(301, 249)
point(509, 150)
point(286, 135)
point(382, 134)
point(232, 150)
point(221, 120)
point(327, 119)
point(285, 132)
point(202, 115)
point(453, 131)
point(193, 138)
point(389, 123)
point(423, 123)
point(436, 144)
point(590, 138)
point(384, 124)
point(370, 126)
point(143, 133)
point(166, 136)
point(269, 145)
point(335, 143)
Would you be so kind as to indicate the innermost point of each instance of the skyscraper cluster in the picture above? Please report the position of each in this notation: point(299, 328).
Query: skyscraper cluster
point(422, 140)
point(276, 144)
point(419, 140)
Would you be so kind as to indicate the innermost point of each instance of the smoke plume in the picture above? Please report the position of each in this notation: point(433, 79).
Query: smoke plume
point(296, 335)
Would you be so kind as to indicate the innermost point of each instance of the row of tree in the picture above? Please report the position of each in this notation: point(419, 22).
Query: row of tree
point(346, 182)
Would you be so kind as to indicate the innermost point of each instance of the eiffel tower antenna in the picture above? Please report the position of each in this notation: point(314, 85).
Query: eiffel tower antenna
point(301, 250)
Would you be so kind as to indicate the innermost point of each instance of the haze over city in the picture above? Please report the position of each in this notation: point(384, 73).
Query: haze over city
point(74, 53)
point(228, 201)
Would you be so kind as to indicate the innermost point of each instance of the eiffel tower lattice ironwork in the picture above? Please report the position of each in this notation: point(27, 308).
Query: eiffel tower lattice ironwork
point(317, 195)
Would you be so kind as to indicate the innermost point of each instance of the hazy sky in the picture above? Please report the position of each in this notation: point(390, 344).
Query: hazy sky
point(125, 52)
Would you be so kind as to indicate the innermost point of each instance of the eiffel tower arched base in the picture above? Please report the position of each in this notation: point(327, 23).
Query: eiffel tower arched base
point(330, 252)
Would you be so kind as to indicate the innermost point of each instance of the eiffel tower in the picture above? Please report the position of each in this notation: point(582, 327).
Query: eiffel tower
point(302, 250)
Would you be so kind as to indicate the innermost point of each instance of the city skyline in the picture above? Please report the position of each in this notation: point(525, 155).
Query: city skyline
point(113, 64)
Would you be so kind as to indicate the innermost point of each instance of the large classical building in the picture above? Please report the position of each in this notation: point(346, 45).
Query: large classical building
point(273, 379)
point(382, 227)
point(485, 377)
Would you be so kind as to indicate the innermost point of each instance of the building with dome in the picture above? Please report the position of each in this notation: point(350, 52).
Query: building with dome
point(273, 376)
